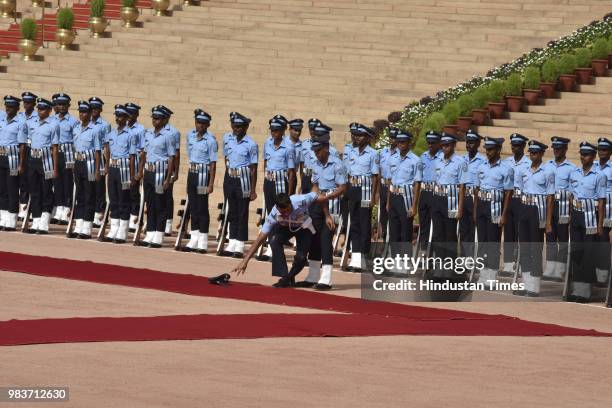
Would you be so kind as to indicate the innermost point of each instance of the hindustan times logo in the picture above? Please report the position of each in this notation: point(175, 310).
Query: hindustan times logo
point(409, 264)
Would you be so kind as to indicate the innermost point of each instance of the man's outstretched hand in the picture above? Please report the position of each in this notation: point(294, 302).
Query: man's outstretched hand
point(241, 268)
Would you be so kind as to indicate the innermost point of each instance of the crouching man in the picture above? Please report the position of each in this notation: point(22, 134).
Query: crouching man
point(289, 218)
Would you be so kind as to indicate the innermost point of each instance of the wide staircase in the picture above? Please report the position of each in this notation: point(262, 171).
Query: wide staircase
point(340, 60)
point(585, 115)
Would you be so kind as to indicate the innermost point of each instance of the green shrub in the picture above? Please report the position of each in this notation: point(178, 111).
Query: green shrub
point(420, 146)
point(28, 29)
point(481, 97)
point(550, 71)
point(466, 105)
point(128, 3)
point(497, 90)
point(451, 112)
point(567, 64)
point(583, 57)
point(65, 18)
point(97, 8)
point(514, 85)
point(531, 78)
point(601, 49)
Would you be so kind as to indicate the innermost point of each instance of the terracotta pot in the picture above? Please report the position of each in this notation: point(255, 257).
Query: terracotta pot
point(496, 109)
point(515, 103)
point(531, 96)
point(610, 60)
point(450, 129)
point(479, 116)
point(600, 68)
point(583, 75)
point(548, 89)
point(567, 82)
point(464, 123)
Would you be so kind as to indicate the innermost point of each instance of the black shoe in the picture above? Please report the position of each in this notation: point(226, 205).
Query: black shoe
point(84, 236)
point(186, 249)
point(322, 286)
point(1, 228)
point(167, 235)
point(132, 229)
point(519, 292)
point(305, 284)
point(263, 258)
point(202, 251)
point(62, 222)
point(106, 239)
point(283, 283)
point(577, 299)
point(225, 253)
point(156, 246)
point(72, 235)
point(531, 294)
point(31, 231)
point(41, 232)
point(143, 244)
point(237, 255)
point(119, 241)
point(54, 221)
point(9, 229)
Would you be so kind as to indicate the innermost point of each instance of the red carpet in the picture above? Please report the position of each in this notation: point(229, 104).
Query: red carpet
point(248, 326)
point(366, 318)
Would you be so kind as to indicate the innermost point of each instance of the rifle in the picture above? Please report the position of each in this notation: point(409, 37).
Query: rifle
point(184, 215)
point(220, 217)
point(26, 218)
point(104, 223)
point(69, 232)
point(345, 256)
point(140, 220)
point(567, 283)
point(609, 292)
point(221, 235)
point(263, 213)
point(337, 233)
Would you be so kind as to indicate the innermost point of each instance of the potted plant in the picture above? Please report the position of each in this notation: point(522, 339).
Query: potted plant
point(497, 106)
point(129, 12)
point(514, 92)
point(550, 74)
point(7, 8)
point(97, 22)
point(481, 98)
point(450, 111)
point(583, 63)
point(27, 45)
point(160, 7)
point(567, 67)
point(531, 85)
point(600, 52)
point(466, 104)
point(64, 34)
point(37, 3)
point(610, 52)
point(434, 122)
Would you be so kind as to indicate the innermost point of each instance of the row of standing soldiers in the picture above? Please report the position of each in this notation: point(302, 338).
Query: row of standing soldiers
point(56, 161)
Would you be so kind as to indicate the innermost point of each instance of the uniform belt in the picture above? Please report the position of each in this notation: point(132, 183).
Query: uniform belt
point(355, 180)
point(150, 166)
point(485, 195)
point(558, 195)
point(116, 162)
point(530, 199)
point(64, 146)
point(469, 190)
point(441, 189)
point(196, 167)
point(235, 173)
point(80, 156)
point(3, 151)
point(428, 186)
point(36, 153)
point(307, 172)
point(579, 204)
point(517, 192)
point(386, 181)
point(399, 190)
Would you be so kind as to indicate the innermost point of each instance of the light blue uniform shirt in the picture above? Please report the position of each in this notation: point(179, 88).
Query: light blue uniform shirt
point(279, 158)
point(308, 157)
point(158, 147)
point(541, 181)
point(562, 173)
point(45, 133)
point(174, 133)
point(300, 204)
point(242, 153)
point(87, 138)
point(606, 170)
point(428, 166)
point(330, 175)
point(228, 138)
point(386, 170)
point(297, 148)
point(121, 143)
point(29, 122)
point(202, 151)
point(104, 128)
point(470, 178)
point(588, 186)
point(523, 163)
point(364, 163)
point(496, 176)
point(12, 132)
point(67, 127)
point(138, 131)
point(407, 170)
point(450, 172)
